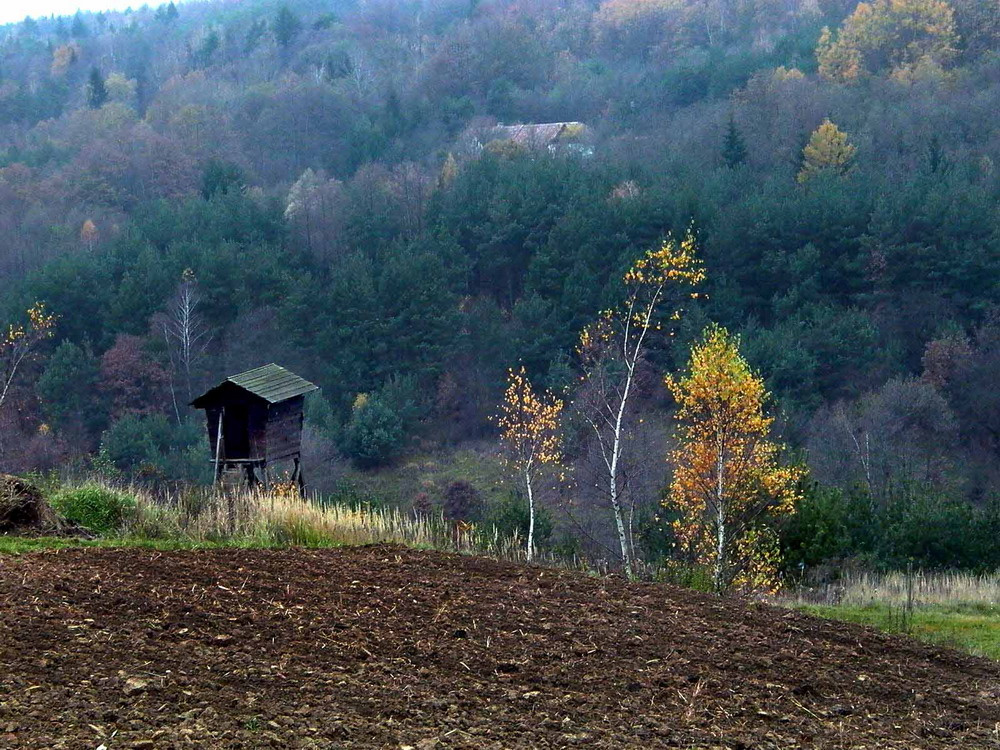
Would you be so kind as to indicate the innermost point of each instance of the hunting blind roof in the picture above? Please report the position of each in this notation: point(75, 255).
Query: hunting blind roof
point(272, 383)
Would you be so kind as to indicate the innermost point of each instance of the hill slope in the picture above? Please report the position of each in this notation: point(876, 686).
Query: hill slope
point(382, 647)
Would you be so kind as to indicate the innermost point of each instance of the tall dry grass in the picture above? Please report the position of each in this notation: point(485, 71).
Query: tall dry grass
point(282, 518)
point(898, 587)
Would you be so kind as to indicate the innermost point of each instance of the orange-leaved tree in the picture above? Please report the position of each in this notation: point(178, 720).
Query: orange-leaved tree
point(19, 342)
point(898, 35)
point(727, 477)
point(88, 234)
point(529, 427)
point(611, 350)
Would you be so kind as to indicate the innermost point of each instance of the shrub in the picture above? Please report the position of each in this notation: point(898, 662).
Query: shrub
point(690, 576)
point(97, 508)
point(150, 446)
point(374, 433)
point(461, 501)
point(422, 505)
point(510, 517)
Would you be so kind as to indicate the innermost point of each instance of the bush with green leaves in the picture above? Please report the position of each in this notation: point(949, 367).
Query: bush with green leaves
point(510, 516)
point(95, 507)
point(151, 446)
point(912, 525)
point(374, 434)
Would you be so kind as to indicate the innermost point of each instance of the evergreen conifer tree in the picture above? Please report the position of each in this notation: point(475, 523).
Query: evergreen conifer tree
point(97, 92)
point(79, 28)
point(734, 147)
point(286, 27)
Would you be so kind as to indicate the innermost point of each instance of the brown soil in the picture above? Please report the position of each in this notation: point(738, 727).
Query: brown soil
point(386, 647)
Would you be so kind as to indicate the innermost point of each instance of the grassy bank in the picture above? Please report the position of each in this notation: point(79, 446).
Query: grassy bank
point(110, 515)
point(960, 610)
point(970, 627)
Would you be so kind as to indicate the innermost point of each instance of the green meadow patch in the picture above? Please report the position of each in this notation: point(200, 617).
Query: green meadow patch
point(971, 627)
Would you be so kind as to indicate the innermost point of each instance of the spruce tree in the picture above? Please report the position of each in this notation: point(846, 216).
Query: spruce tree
point(97, 92)
point(79, 28)
point(286, 27)
point(734, 148)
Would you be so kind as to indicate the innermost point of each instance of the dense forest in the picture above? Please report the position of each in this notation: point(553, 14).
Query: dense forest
point(196, 189)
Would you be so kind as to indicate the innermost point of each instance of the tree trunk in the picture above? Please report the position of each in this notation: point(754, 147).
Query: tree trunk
point(720, 521)
point(622, 538)
point(531, 516)
point(616, 449)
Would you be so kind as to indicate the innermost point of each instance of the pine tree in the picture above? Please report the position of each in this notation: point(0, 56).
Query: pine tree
point(734, 148)
point(79, 29)
point(207, 48)
point(828, 152)
point(286, 27)
point(166, 13)
point(97, 92)
point(68, 388)
point(935, 154)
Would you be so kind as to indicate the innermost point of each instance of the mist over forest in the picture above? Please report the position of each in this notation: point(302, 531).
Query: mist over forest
point(364, 193)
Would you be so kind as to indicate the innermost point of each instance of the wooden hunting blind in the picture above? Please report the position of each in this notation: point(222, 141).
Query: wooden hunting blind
point(254, 419)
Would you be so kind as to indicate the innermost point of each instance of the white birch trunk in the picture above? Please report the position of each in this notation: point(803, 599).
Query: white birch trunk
point(720, 520)
point(616, 451)
point(531, 515)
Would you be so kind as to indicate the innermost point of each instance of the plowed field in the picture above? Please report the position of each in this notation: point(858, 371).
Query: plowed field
point(387, 647)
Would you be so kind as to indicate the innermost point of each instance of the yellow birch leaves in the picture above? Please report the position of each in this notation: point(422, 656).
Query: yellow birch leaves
point(18, 343)
point(40, 326)
point(727, 478)
point(529, 424)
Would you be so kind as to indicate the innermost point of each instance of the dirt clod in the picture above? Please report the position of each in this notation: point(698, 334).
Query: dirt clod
point(135, 685)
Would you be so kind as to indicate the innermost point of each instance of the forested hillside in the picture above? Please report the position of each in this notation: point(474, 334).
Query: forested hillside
point(196, 189)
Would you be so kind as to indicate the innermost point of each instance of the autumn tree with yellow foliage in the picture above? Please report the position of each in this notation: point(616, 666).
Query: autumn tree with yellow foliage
point(828, 152)
point(895, 35)
point(88, 234)
point(611, 350)
point(63, 58)
point(727, 478)
point(19, 342)
point(529, 427)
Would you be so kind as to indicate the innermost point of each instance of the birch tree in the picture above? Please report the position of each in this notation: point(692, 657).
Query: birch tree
point(612, 348)
point(315, 210)
point(727, 480)
point(529, 427)
point(19, 343)
point(186, 334)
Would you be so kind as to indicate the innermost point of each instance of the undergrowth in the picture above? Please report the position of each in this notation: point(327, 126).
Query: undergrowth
point(204, 517)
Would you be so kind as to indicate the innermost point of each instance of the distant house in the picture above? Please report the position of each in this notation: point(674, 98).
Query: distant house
point(555, 137)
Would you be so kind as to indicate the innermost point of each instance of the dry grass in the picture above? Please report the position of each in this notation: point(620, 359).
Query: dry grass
point(282, 518)
point(944, 588)
point(956, 609)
